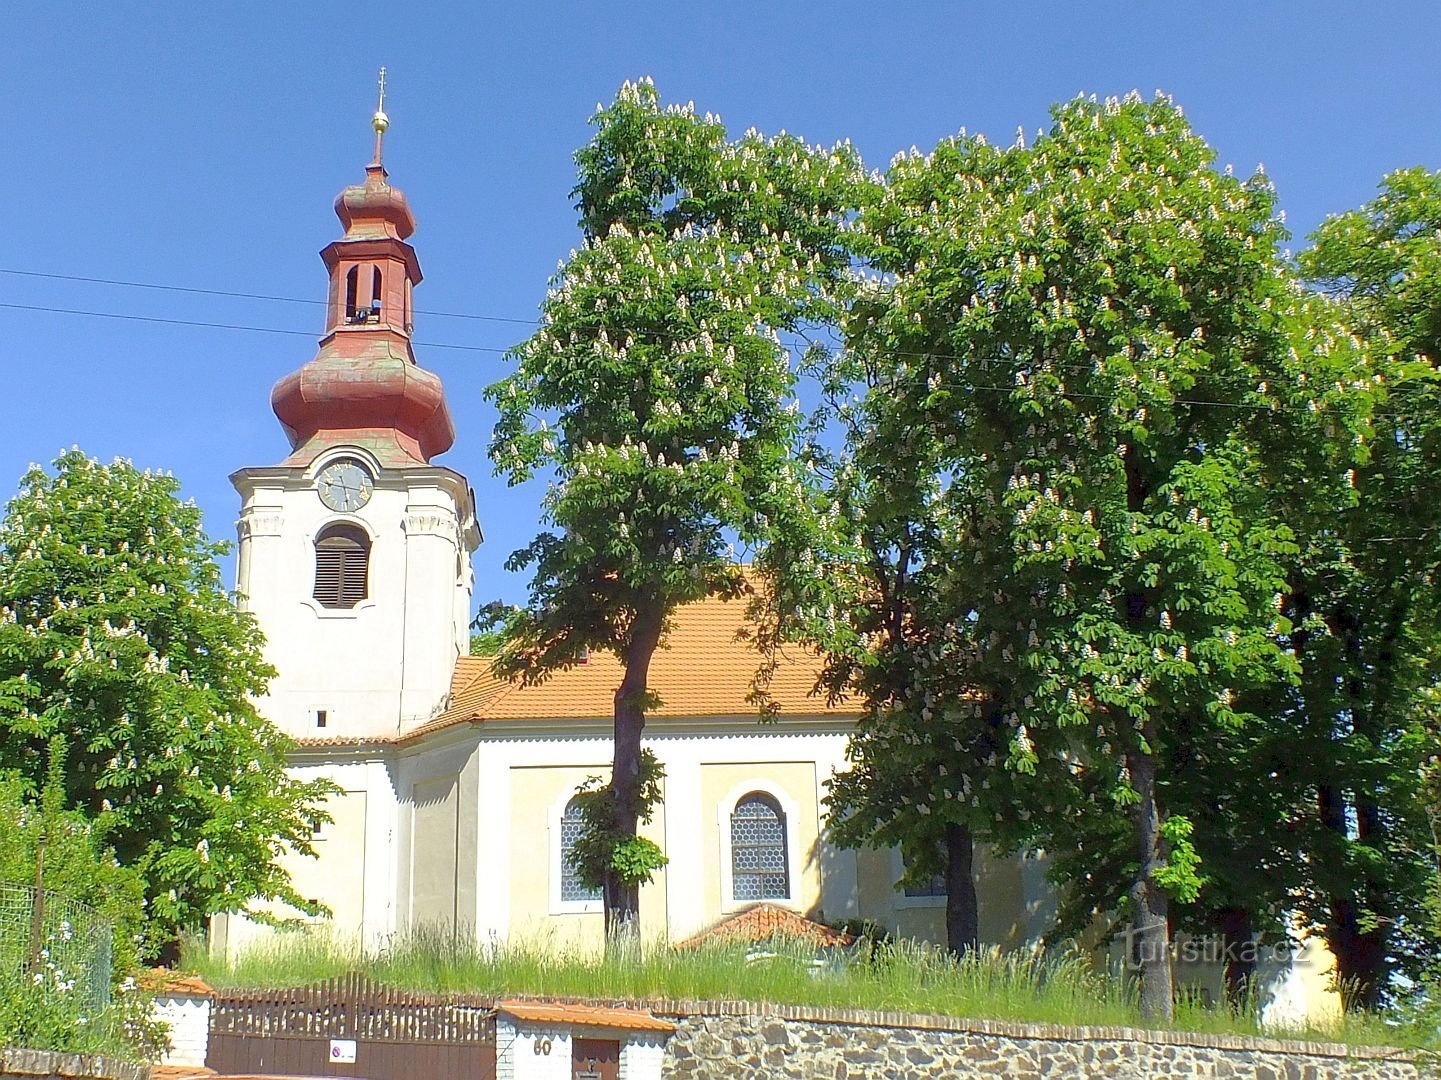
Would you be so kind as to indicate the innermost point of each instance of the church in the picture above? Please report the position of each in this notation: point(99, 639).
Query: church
point(355, 558)
point(456, 808)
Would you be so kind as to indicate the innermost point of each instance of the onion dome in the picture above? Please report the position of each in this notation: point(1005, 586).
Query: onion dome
point(364, 387)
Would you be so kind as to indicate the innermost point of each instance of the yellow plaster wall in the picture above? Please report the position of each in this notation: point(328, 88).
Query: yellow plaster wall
point(435, 821)
point(721, 784)
point(336, 875)
point(538, 793)
point(999, 892)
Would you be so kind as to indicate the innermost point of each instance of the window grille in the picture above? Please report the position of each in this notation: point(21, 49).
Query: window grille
point(758, 849)
point(572, 889)
point(342, 563)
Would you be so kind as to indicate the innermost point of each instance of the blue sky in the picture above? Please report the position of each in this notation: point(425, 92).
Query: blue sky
point(201, 145)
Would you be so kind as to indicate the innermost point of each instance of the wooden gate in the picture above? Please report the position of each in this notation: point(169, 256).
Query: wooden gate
point(350, 1026)
point(594, 1059)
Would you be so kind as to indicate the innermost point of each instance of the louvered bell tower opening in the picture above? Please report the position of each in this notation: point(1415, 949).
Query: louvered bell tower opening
point(342, 563)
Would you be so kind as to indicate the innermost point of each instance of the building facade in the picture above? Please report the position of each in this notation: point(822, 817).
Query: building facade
point(354, 556)
point(456, 808)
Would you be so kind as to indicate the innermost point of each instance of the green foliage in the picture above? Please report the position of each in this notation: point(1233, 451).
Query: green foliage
point(657, 393)
point(43, 1012)
point(1366, 601)
point(492, 627)
point(50, 999)
point(1180, 876)
point(602, 850)
point(76, 865)
point(1095, 408)
point(117, 637)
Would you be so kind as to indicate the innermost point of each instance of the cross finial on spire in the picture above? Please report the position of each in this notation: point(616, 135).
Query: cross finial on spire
point(380, 121)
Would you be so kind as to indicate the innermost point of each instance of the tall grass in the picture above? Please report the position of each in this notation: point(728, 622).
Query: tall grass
point(1057, 988)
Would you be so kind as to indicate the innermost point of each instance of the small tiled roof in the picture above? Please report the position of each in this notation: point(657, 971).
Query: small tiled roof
point(174, 984)
point(537, 1012)
point(766, 922)
point(703, 670)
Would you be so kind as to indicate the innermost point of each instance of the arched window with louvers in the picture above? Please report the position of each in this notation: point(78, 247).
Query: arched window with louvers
point(342, 566)
point(759, 866)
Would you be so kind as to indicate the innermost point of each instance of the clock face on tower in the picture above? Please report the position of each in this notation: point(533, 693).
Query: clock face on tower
point(344, 485)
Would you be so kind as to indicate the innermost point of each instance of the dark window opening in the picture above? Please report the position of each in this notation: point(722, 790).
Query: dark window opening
point(935, 885)
point(342, 562)
point(321, 717)
point(375, 295)
point(352, 286)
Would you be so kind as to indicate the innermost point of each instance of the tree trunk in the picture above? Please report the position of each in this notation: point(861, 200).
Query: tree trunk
point(1360, 954)
point(1152, 905)
point(1238, 934)
point(963, 923)
point(622, 899)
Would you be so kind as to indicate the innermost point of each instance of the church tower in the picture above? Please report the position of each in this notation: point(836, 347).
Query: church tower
point(354, 551)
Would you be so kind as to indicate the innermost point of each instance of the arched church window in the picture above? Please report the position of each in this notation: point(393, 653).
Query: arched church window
point(352, 287)
point(342, 562)
point(758, 849)
point(375, 290)
point(572, 889)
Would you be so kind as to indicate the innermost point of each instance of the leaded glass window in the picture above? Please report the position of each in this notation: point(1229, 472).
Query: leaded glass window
point(572, 889)
point(758, 849)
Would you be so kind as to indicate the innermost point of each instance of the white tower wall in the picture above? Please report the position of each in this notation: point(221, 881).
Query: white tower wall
point(383, 666)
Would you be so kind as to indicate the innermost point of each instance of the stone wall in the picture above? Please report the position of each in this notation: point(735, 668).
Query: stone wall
point(724, 1040)
point(44, 1065)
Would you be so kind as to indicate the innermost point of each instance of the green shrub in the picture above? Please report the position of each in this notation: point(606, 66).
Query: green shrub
point(67, 969)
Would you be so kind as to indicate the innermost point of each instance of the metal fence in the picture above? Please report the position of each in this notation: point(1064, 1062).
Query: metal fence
point(58, 942)
point(350, 1026)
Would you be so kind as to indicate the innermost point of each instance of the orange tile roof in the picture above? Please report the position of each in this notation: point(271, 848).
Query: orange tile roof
point(703, 670)
point(179, 1072)
point(765, 922)
point(583, 1016)
point(165, 981)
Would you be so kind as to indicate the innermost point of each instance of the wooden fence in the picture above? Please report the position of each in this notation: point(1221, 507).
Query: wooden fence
point(352, 1027)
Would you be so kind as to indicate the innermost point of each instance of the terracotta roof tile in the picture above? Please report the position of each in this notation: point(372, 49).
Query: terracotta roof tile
point(766, 922)
point(584, 1015)
point(179, 1072)
point(704, 670)
point(174, 983)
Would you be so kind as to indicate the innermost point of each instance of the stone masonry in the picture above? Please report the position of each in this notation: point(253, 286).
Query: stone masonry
point(44, 1065)
point(731, 1040)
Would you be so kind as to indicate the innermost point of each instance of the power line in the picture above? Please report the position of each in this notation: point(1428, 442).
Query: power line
point(126, 317)
point(223, 326)
point(244, 327)
point(240, 295)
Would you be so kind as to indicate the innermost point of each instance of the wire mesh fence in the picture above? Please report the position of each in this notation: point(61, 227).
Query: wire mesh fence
point(55, 942)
